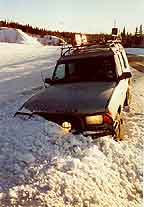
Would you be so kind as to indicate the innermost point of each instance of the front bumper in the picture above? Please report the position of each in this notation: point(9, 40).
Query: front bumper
point(96, 134)
point(95, 131)
point(78, 123)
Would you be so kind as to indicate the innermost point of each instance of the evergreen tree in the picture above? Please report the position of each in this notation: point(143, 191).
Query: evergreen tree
point(141, 30)
point(124, 32)
point(136, 31)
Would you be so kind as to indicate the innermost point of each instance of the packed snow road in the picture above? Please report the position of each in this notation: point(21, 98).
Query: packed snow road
point(42, 166)
point(21, 67)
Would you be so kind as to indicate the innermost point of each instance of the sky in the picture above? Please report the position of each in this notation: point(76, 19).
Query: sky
point(87, 16)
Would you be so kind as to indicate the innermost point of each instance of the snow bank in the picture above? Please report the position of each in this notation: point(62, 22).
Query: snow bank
point(51, 40)
point(12, 35)
point(40, 165)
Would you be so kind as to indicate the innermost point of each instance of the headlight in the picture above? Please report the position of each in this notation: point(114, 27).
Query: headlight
point(66, 126)
point(96, 119)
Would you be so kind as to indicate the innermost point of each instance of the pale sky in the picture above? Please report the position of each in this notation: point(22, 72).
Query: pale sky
point(89, 16)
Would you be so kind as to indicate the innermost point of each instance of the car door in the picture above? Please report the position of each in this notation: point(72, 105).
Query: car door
point(119, 94)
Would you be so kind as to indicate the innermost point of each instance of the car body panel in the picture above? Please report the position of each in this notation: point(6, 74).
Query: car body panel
point(118, 97)
point(90, 97)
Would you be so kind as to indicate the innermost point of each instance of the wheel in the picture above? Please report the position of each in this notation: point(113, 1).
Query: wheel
point(119, 130)
point(128, 98)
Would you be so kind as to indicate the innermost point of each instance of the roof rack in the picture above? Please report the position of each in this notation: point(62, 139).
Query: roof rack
point(66, 51)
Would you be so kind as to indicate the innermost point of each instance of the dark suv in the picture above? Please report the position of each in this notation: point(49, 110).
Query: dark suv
point(89, 87)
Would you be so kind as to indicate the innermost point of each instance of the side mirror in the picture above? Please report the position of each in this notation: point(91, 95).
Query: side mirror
point(48, 80)
point(125, 75)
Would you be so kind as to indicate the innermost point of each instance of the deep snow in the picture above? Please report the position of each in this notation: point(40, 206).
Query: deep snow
point(42, 166)
point(12, 35)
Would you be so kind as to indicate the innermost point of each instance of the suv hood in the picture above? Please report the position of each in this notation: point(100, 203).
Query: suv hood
point(89, 97)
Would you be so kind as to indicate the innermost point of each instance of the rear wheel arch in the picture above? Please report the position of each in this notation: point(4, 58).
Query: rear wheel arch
point(119, 110)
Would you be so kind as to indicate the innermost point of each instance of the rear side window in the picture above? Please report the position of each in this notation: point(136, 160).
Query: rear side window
point(118, 65)
point(121, 62)
point(125, 65)
point(125, 58)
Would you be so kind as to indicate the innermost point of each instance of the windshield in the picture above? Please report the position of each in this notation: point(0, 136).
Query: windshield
point(92, 69)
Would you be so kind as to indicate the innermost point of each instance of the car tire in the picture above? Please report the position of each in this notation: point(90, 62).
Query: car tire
point(119, 131)
point(128, 98)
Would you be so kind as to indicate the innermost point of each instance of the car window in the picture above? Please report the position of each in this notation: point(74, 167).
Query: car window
point(125, 65)
point(118, 65)
point(59, 72)
point(125, 57)
point(90, 69)
point(120, 60)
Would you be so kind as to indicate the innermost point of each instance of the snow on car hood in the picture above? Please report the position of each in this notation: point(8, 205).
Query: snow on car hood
point(75, 97)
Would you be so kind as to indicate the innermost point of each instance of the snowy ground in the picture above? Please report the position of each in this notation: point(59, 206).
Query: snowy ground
point(12, 35)
point(135, 51)
point(42, 166)
point(21, 67)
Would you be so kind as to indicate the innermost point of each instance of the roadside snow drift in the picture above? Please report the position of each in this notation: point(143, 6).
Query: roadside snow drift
point(51, 40)
point(41, 166)
point(12, 35)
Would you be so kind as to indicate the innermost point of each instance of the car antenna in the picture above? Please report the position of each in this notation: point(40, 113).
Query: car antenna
point(43, 80)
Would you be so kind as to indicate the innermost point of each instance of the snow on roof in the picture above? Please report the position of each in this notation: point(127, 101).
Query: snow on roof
point(12, 35)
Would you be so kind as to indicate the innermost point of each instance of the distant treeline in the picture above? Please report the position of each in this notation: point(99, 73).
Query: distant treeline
point(128, 39)
point(133, 40)
point(38, 31)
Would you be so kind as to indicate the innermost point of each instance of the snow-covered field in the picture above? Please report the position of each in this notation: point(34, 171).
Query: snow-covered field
point(135, 51)
point(42, 166)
